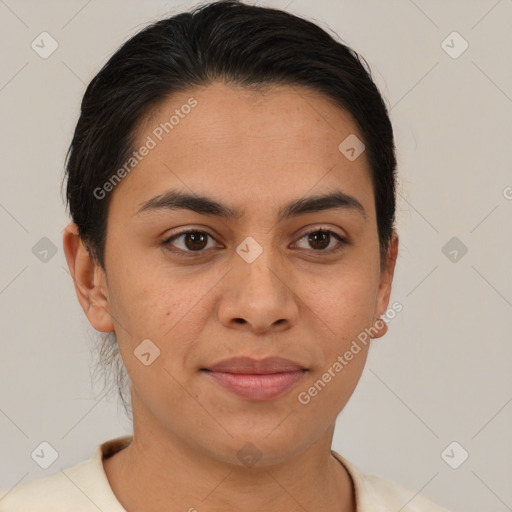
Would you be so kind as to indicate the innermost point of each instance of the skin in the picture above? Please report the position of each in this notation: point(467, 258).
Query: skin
point(256, 151)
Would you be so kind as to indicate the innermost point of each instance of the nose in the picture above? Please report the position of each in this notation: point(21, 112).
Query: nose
point(258, 297)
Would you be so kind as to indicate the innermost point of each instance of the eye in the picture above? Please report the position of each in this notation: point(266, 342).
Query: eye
point(319, 239)
point(196, 241)
point(193, 241)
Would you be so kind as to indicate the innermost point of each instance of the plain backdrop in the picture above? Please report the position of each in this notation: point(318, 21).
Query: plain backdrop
point(441, 374)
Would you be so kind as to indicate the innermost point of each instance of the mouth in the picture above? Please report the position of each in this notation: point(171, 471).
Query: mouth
point(257, 380)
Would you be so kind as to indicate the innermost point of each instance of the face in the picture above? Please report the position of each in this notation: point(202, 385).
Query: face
point(298, 283)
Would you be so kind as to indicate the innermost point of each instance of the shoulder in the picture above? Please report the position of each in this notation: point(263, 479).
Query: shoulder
point(81, 488)
point(42, 495)
point(375, 494)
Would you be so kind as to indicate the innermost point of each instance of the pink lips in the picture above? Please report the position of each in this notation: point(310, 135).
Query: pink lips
point(256, 379)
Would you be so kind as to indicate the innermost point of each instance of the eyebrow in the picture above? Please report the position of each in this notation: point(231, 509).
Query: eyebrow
point(178, 200)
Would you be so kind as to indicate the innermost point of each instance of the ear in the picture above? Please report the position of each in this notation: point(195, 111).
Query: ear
point(89, 280)
point(386, 278)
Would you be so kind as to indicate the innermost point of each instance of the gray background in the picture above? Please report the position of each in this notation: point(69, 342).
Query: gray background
point(441, 374)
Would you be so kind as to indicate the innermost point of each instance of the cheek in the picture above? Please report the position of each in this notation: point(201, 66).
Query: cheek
point(151, 303)
point(343, 300)
point(341, 350)
point(341, 308)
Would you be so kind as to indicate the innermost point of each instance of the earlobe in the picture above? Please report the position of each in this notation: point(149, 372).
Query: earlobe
point(89, 280)
point(379, 328)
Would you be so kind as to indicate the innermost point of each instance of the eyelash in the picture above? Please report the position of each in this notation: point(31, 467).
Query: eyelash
point(188, 253)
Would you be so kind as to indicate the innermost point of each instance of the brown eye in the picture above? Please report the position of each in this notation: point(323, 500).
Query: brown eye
point(320, 239)
point(191, 241)
point(195, 241)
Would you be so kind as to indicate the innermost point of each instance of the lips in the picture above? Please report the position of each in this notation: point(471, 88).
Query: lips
point(257, 367)
point(253, 379)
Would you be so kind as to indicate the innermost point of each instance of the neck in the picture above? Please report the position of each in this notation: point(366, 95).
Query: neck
point(159, 470)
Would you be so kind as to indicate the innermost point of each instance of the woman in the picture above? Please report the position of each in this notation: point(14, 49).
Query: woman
point(231, 182)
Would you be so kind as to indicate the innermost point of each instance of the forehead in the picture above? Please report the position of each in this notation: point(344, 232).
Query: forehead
point(231, 114)
point(251, 146)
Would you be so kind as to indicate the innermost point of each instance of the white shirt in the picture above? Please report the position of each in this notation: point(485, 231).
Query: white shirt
point(85, 488)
